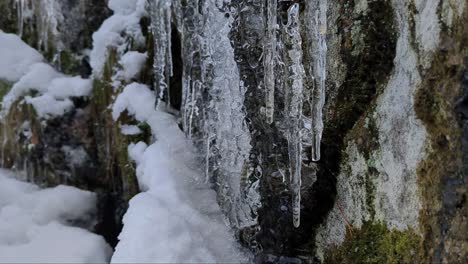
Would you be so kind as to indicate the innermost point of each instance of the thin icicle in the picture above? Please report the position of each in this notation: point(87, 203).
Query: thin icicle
point(20, 8)
point(294, 108)
point(270, 54)
point(162, 46)
point(319, 72)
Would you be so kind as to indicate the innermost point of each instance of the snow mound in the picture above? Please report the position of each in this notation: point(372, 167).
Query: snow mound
point(34, 224)
point(132, 63)
point(116, 31)
point(176, 219)
point(22, 64)
point(16, 57)
point(137, 99)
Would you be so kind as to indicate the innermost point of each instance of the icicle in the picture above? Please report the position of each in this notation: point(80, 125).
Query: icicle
point(294, 108)
point(270, 54)
point(161, 27)
point(4, 143)
point(169, 70)
point(20, 11)
point(320, 60)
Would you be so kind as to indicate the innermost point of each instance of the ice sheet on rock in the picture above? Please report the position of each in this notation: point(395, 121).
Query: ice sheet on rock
point(34, 224)
point(177, 213)
point(16, 57)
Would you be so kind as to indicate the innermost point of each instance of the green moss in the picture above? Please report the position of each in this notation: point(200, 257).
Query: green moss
point(126, 169)
point(8, 19)
point(375, 243)
point(5, 87)
point(443, 165)
point(111, 144)
point(14, 147)
point(67, 63)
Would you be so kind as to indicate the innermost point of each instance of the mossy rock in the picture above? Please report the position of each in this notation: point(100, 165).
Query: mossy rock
point(375, 243)
point(5, 87)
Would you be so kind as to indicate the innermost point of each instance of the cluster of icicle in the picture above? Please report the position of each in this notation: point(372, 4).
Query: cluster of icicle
point(210, 69)
point(200, 51)
point(316, 17)
point(47, 14)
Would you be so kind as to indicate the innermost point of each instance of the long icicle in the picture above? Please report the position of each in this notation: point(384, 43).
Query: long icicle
point(295, 101)
point(320, 71)
point(270, 54)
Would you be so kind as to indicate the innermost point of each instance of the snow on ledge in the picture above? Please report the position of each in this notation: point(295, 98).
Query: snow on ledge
point(23, 65)
point(34, 224)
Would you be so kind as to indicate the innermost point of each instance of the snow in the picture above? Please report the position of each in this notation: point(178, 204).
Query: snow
point(46, 105)
point(37, 78)
point(130, 130)
point(24, 67)
point(75, 156)
point(137, 99)
point(16, 57)
point(65, 87)
point(34, 224)
point(132, 63)
point(125, 7)
point(116, 30)
point(177, 213)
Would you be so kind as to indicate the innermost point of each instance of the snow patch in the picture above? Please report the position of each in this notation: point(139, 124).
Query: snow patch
point(16, 57)
point(130, 130)
point(177, 213)
point(137, 99)
point(116, 32)
point(34, 224)
point(132, 63)
point(22, 64)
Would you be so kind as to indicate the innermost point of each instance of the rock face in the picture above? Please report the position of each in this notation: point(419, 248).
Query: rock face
point(332, 130)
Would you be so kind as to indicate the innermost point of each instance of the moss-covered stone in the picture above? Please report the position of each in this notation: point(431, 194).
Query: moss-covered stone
point(67, 63)
point(5, 87)
point(375, 243)
point(8, 19)
point(367, 73)
point(440, 174)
